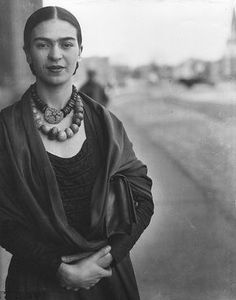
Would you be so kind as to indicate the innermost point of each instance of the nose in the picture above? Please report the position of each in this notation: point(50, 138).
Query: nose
point(55, 53)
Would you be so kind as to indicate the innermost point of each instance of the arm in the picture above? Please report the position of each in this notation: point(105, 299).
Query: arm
point(123, 243)
point(47, 259)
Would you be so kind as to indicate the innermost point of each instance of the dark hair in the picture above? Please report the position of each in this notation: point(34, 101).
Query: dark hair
point(48, 13)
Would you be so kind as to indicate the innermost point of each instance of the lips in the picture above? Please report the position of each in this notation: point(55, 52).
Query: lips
point(55, 68)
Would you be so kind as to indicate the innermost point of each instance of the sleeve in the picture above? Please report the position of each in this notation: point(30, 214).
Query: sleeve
point(123, 243)
point(21, 243)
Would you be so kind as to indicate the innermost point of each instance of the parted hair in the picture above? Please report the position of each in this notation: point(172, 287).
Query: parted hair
point(48, 13)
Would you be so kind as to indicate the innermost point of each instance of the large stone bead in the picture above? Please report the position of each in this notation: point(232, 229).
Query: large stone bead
point(77, 104)
point(81, 102)
point(79, 115)
point(45, 129)
point(52, 135)
point(77, 121)
point(69, 132)
point(61, 136)
point(81, 109)
point(74, 127)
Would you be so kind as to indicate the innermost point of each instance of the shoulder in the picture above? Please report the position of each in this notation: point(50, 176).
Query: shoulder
point(13, 111)
point(10, 111)
point(7, 124)
point(8, 114)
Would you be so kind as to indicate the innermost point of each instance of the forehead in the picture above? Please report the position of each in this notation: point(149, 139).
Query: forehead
point(54, 29)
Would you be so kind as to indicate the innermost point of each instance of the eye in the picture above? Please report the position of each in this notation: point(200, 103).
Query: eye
point(67, 45)
point(42, 45)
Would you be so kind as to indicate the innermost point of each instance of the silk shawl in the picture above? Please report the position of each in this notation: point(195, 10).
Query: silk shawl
point(29, 193)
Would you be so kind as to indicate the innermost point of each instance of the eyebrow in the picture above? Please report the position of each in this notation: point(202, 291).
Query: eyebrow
point(49, 40)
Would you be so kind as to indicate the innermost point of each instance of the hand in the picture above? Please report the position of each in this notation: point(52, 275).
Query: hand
point(103, 261)
point(86, 272)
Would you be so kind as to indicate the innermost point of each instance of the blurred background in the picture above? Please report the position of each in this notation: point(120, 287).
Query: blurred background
point(168, 68)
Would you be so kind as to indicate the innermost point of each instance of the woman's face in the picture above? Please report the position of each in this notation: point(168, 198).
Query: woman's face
point(54, 51)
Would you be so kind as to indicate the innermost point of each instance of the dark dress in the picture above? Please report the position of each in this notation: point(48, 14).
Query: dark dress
point(76, 176)
point(32, 272)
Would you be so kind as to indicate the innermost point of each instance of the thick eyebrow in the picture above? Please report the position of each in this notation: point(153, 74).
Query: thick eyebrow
point(49, 40)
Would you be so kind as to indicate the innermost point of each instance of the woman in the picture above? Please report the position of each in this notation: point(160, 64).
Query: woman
point(59, 151)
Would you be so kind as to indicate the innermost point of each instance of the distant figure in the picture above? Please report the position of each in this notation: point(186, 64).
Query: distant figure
point(93, 89)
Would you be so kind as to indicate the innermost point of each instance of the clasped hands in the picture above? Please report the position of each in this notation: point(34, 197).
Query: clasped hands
point(75, 273)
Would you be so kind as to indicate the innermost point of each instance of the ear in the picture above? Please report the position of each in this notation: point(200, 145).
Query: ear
point(28, 56)
point(80, 51)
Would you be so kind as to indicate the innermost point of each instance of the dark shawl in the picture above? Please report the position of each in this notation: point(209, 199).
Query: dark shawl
point(29, 192)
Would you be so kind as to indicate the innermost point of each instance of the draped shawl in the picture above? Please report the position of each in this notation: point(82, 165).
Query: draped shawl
point(29, 193)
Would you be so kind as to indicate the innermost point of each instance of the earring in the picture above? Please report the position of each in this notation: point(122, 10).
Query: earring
point(76, 68)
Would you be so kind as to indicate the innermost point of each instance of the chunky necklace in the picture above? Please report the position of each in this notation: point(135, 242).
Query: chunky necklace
point(51, 114)
point(54, 133)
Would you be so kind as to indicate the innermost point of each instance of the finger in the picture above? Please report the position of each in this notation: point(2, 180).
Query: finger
point(106, 272)
point(70, 258)
point(105, 261)
point(75, 257)
point(101, 253)
point(96, 281)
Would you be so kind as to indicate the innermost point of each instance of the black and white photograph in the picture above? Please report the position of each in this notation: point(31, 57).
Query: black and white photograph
point(118, 150)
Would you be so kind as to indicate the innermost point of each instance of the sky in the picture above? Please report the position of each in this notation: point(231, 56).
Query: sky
point(136, 32)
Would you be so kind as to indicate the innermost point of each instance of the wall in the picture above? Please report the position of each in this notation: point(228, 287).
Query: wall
point(14, 72)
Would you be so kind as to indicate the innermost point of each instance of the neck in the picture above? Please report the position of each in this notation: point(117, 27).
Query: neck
point(54, 96)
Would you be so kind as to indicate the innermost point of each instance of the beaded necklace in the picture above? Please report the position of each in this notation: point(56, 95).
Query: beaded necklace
point(51, 114)
point(54, 133)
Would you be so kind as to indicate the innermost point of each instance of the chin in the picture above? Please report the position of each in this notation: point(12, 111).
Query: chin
point(56, 81)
